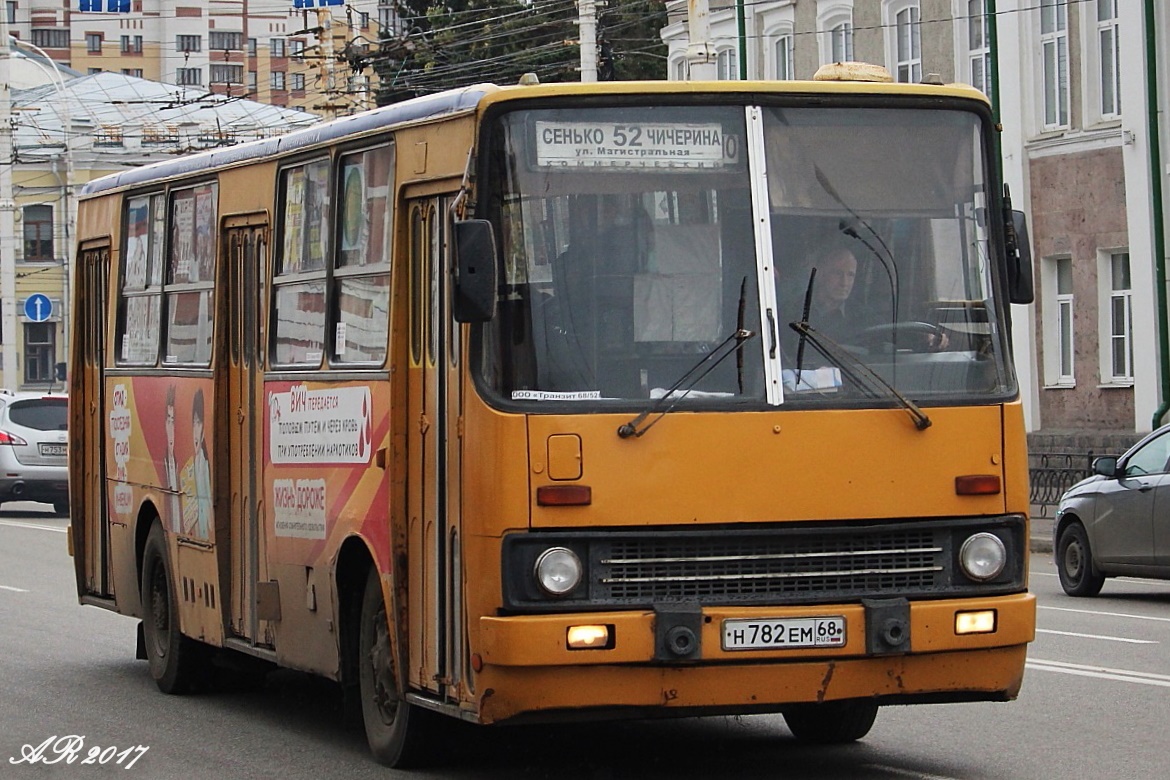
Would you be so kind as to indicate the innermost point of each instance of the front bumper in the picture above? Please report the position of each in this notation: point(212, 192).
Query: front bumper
point(529, 668)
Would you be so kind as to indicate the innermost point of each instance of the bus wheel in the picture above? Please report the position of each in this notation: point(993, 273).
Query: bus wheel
point(174, 659)
point(832, 722)
point(1074, 562)
point(398, 733)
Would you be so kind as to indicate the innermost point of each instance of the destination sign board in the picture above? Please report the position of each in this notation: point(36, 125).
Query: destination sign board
point(659, 145)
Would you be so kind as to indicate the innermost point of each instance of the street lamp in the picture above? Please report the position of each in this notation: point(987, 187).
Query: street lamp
point(69, 204)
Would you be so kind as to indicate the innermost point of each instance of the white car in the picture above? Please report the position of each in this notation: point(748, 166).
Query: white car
point(34, 442)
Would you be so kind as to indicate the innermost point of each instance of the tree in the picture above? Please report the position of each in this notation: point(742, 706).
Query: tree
point(462, 42)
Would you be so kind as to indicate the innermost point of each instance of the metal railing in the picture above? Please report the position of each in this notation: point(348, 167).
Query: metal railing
point(1052, 473)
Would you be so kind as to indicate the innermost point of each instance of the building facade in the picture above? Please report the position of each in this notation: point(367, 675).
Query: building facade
point(1078, 151)
point(263, 50)
point(66, 132)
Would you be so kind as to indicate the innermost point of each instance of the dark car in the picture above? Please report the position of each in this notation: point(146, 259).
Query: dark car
point(34, 440)
point(1117, 522)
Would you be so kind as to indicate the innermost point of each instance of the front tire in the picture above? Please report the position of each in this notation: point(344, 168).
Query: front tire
point(176, 661)
point(831, 723)
point(1074, 562)
point(398, 733)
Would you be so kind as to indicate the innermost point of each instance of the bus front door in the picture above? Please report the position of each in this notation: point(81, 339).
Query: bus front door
point(434, 588)
point(246, 248)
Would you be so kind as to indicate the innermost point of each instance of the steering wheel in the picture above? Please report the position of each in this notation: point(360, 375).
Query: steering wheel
point(914, 335)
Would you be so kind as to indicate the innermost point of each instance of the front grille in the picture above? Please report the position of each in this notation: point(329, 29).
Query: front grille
point(805, 563)
point(753, 568)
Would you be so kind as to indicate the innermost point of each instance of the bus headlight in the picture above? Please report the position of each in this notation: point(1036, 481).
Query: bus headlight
point(558, 571)
point(983, 556)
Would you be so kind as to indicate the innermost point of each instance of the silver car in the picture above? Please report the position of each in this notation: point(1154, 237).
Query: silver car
point(1117, 522)
point(34, 440)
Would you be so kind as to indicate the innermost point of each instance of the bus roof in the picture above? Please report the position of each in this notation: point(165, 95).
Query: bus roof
point(417, 109)
point(470, 98)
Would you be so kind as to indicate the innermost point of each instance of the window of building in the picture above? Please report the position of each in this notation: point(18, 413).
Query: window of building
point(1117, 330)
point(131, 44)
point(1054, 62)
point(188, 43)
point(38, 233)
point(907, 48)
point(726, 65)
point(40, 351)
point(978, 48)
point(50, 38)
point(783, 63)
point(10, 8)
point(226, 74)
point(189, 77)
point(93, 71)
point(364, 20)
point(225, 41)
point(1108, 55)
point(296, 49)
point(835, 30)
point(387, 19)
point(1058, 322)
point(252, 45)
point(252, 84)
point(298, 82)
point(93, 43)
point(276, 79)
point(841, 42)
point(680, 69)
point(135, 72)
point(276, 47)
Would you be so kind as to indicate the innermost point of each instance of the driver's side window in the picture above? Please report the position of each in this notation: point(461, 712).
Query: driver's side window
point(1150, 459)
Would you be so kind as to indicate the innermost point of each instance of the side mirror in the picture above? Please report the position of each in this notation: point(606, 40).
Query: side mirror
point(59, 372)
point(475, 271)
point(1020, 288)
point(1106, 466)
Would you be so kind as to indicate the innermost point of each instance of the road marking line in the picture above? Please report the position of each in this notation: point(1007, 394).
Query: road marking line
point(33, 526)
point(1108, 614)
point(893, 770)
point(1133, 580)
point(1100, 672)
point(14, 590)
point(1098, 636)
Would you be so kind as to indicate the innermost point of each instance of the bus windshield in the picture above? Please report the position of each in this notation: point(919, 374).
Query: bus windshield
point(854, 243)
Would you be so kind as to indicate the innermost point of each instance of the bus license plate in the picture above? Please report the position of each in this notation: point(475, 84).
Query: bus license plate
point(779, 634)
point(52, 449)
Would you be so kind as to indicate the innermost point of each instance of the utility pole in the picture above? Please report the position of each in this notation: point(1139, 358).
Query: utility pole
point(7, 215)
point(587, 24)
point(700, 54)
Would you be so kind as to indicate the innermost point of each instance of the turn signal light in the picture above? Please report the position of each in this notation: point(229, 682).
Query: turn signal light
point(982, 622)
point(564, 495)
point(977, 485)
point(589, 638)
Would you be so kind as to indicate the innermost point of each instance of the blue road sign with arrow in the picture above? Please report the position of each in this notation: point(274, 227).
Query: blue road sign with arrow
point(38, 307)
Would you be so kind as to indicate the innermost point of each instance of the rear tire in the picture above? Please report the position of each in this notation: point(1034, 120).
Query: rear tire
point(831, 723)
point(1074, 562)
point(176, 661)
point(398, 733)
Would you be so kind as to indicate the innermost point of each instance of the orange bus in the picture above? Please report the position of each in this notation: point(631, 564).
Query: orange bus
point(520, 404)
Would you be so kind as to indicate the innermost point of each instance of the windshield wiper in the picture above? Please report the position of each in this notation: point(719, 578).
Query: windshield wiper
point(858, 371)
point(678, 391)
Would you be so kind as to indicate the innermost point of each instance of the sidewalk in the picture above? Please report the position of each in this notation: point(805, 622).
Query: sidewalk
point(1041, 541)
